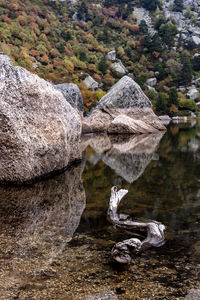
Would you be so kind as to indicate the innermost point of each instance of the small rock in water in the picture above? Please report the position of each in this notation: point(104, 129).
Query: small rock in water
point(104, 296)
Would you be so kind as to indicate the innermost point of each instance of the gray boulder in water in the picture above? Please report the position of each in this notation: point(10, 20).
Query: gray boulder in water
point(39, 129)
point(72, 94)
point(126, 102)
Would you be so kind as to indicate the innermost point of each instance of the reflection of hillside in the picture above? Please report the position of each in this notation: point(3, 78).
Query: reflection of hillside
point(127, 155)
point(37, 221)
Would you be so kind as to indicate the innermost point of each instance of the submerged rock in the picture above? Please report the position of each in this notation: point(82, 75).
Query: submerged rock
point(39, 129)
point(110, 295)
point(72, 94)
point(124, 98)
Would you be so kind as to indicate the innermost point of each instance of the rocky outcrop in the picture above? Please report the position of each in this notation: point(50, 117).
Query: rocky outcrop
point(195, 40)
point(124, 109)
point(119, 67)
point(72, 94)
point(39, 129)
point(112, 55)
point(91, 83)
point(165, 119)
point(151, 81)
point(143, 14)
point(192, 94)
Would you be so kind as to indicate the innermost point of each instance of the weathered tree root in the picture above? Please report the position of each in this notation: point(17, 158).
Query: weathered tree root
point(123, 251)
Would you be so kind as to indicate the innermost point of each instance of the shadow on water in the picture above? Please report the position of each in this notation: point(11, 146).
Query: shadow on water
point(55, 246)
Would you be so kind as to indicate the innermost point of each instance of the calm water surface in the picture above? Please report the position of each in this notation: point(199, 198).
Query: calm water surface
point(55, 240)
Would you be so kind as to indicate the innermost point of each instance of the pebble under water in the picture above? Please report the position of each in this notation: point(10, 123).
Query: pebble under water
point(56, 241)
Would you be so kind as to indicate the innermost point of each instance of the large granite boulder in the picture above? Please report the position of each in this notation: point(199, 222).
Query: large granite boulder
point(127, 100)
point(72, 94)
point(39, 129)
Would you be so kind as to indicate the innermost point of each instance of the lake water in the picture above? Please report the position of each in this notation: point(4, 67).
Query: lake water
point(56, 241)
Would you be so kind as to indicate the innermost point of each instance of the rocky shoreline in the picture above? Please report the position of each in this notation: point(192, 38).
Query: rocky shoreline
point(41, 124)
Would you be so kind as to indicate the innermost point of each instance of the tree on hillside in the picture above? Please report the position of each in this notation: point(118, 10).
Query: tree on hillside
point(159, 22)
point(143, 28)
point(151, 4)
point(196, 63)
point(178, 5)
point(83, 56)
point(168, 32)
point(161, 104)
point(82, 13)
point(187, 72)
point(156, 43)
point(187, 68)
point(103, 66)
point(173, 97)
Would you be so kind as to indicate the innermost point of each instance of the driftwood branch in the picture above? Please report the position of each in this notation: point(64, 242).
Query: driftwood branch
point(123, 251)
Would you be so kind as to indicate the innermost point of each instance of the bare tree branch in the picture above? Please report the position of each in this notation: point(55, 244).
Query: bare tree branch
point(123, 251)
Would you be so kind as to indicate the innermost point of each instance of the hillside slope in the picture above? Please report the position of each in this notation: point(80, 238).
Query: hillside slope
point(64, 41)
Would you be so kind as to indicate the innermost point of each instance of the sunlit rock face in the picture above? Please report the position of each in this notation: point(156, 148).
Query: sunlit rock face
point(37, 221)
point(124, 109)
point(39, 130)
point(127, 155)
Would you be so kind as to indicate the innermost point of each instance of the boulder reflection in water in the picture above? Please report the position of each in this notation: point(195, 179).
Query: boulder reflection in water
point(127, 155)
point(39, 220)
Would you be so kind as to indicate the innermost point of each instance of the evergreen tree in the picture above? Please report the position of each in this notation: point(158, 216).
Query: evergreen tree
point(196, 63)
point(168, 32)
point(173, 97)
point(187, 68)
point(82, 56)
point(161, 104)
point(178, 5)
point(146, 43)
point(151, 4)
point(82, 13)
point(156, 43)
point(66, 36)
point(159, 22)
point(143, 28)
point(187, 72)
point(103, 66)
